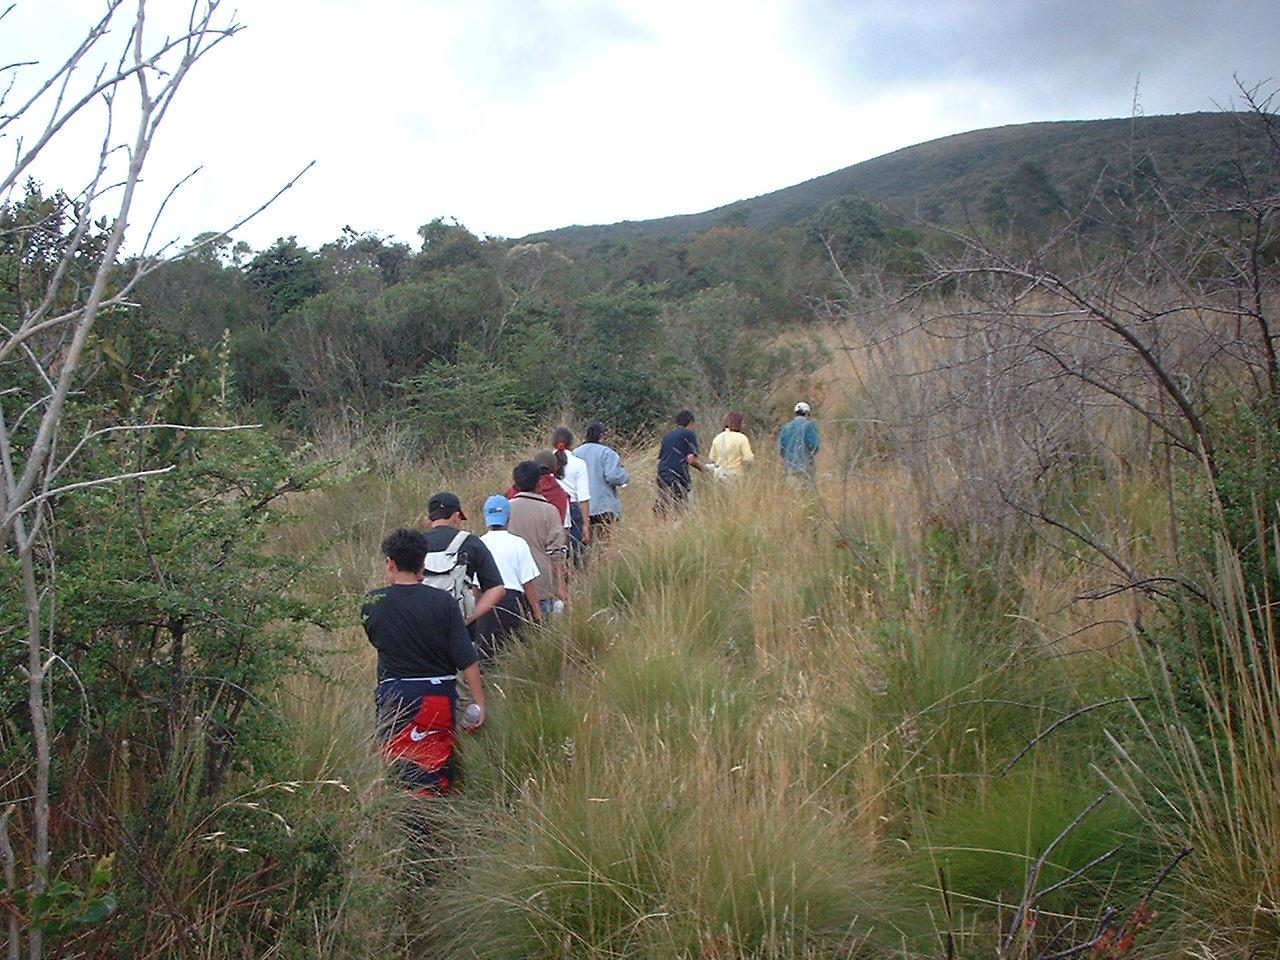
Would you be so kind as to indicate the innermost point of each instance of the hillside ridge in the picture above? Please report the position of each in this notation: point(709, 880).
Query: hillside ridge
point(939, 179)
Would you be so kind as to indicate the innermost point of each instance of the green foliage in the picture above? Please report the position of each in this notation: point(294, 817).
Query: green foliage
point(986, 847)
point(446, 245)
point(470, 400)
point(536, 358)
point(64, 908)
point(286, 274)
point(331, 352)
point(737, 365)
point(1247, 486)
point(851, 226)
point(356, 255)
point(1025, 201)
point(177, 624)
point(431, 319)
point(198, 298)
point(619, 370)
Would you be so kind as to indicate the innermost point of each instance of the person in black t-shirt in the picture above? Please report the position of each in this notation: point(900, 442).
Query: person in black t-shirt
point(679, 452)
point(444, 512)
point(422, 644)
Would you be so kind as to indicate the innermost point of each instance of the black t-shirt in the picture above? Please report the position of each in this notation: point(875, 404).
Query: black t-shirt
point(417, 631)
point(481, 567)
point(673, 468)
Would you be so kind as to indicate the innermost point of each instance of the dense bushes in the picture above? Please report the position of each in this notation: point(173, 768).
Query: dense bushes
point(615, 333)
point(176, 625)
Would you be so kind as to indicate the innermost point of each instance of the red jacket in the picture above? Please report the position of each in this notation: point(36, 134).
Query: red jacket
point(550, 488)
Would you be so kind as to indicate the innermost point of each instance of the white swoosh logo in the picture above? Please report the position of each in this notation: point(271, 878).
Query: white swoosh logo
point(416, 735)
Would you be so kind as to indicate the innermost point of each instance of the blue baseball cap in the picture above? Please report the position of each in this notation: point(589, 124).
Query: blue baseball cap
point(497, 511)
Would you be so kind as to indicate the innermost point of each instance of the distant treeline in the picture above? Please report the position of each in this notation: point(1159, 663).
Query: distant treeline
point(461, 336)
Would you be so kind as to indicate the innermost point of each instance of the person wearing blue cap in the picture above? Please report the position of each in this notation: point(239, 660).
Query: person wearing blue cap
point(519, 575)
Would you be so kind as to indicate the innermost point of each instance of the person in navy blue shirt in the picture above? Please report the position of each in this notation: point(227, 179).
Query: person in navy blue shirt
point(679, 452)
point(422, 645)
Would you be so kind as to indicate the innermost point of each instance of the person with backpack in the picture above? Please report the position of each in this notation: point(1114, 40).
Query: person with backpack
point(538, 523)
point(422, 645)
point(605, 477)
point(798, 443)
point(459, 563)
point(678, 452)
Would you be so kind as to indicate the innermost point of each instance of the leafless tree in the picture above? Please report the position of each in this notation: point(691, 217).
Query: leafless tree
point(127, 76)
point(1022, 355)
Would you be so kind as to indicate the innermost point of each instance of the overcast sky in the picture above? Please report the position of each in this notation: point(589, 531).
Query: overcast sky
point(520, 115)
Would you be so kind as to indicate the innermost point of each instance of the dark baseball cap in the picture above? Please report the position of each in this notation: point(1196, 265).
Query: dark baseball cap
point(441, 506)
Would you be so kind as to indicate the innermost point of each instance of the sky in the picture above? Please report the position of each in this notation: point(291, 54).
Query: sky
point(514, 116)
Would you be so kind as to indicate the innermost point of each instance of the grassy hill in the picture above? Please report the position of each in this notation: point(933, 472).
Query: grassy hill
point(941, 179)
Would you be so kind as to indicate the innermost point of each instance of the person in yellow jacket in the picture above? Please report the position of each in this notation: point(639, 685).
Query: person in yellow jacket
point(731, 450)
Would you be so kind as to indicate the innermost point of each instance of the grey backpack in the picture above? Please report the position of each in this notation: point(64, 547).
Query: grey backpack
point(445, 570)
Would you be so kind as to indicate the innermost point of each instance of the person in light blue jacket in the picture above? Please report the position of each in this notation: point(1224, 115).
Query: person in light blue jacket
point(798, 442)
point(605, 474)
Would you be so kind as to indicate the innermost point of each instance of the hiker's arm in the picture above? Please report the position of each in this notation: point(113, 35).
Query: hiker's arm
point(562, 581)
point(615, 474)
point(585, 507)
point(811, 435)
point(472, 677)
point(487, 600)
point(488, 577)
point(693, 461)
point(531, 597)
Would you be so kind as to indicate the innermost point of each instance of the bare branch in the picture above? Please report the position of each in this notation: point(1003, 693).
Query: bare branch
point(1063, 720)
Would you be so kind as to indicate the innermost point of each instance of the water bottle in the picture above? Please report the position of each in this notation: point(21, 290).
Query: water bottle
point(471, 717)
point(557, 606)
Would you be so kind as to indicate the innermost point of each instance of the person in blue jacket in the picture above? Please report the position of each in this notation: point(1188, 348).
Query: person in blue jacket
point(605, 475)
point(798, 442)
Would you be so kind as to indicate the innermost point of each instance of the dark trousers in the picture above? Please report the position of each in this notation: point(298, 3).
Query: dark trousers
point(503, 623)
point(673, 494)
point(577, 549)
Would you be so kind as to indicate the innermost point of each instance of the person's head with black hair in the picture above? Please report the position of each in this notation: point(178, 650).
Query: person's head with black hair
point(595, 431)
point(526, 476)
point(404, 549)
point(561, 438)
point(546, 459)
point(684, 417)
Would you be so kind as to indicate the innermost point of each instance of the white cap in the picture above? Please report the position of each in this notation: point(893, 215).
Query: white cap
point(802, 407)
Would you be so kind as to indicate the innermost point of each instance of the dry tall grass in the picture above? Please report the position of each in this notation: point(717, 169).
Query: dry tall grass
point(782, 725)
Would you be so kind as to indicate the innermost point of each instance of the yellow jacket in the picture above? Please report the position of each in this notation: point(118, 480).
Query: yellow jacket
point(730, 452)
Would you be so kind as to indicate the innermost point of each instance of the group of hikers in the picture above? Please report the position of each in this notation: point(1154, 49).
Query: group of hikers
point(452, 598)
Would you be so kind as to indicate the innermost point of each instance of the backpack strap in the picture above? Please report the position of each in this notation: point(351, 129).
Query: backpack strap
point(456, 543)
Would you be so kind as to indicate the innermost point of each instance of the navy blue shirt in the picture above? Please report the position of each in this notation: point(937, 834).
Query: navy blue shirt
point(417, 631)
point(673, 468)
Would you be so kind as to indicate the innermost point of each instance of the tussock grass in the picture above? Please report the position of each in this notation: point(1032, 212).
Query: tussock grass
point(779, 724)
point(1206, 771)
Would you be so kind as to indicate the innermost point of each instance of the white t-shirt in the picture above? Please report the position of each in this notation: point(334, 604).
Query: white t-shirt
point(513, 557)
point(576, 483)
